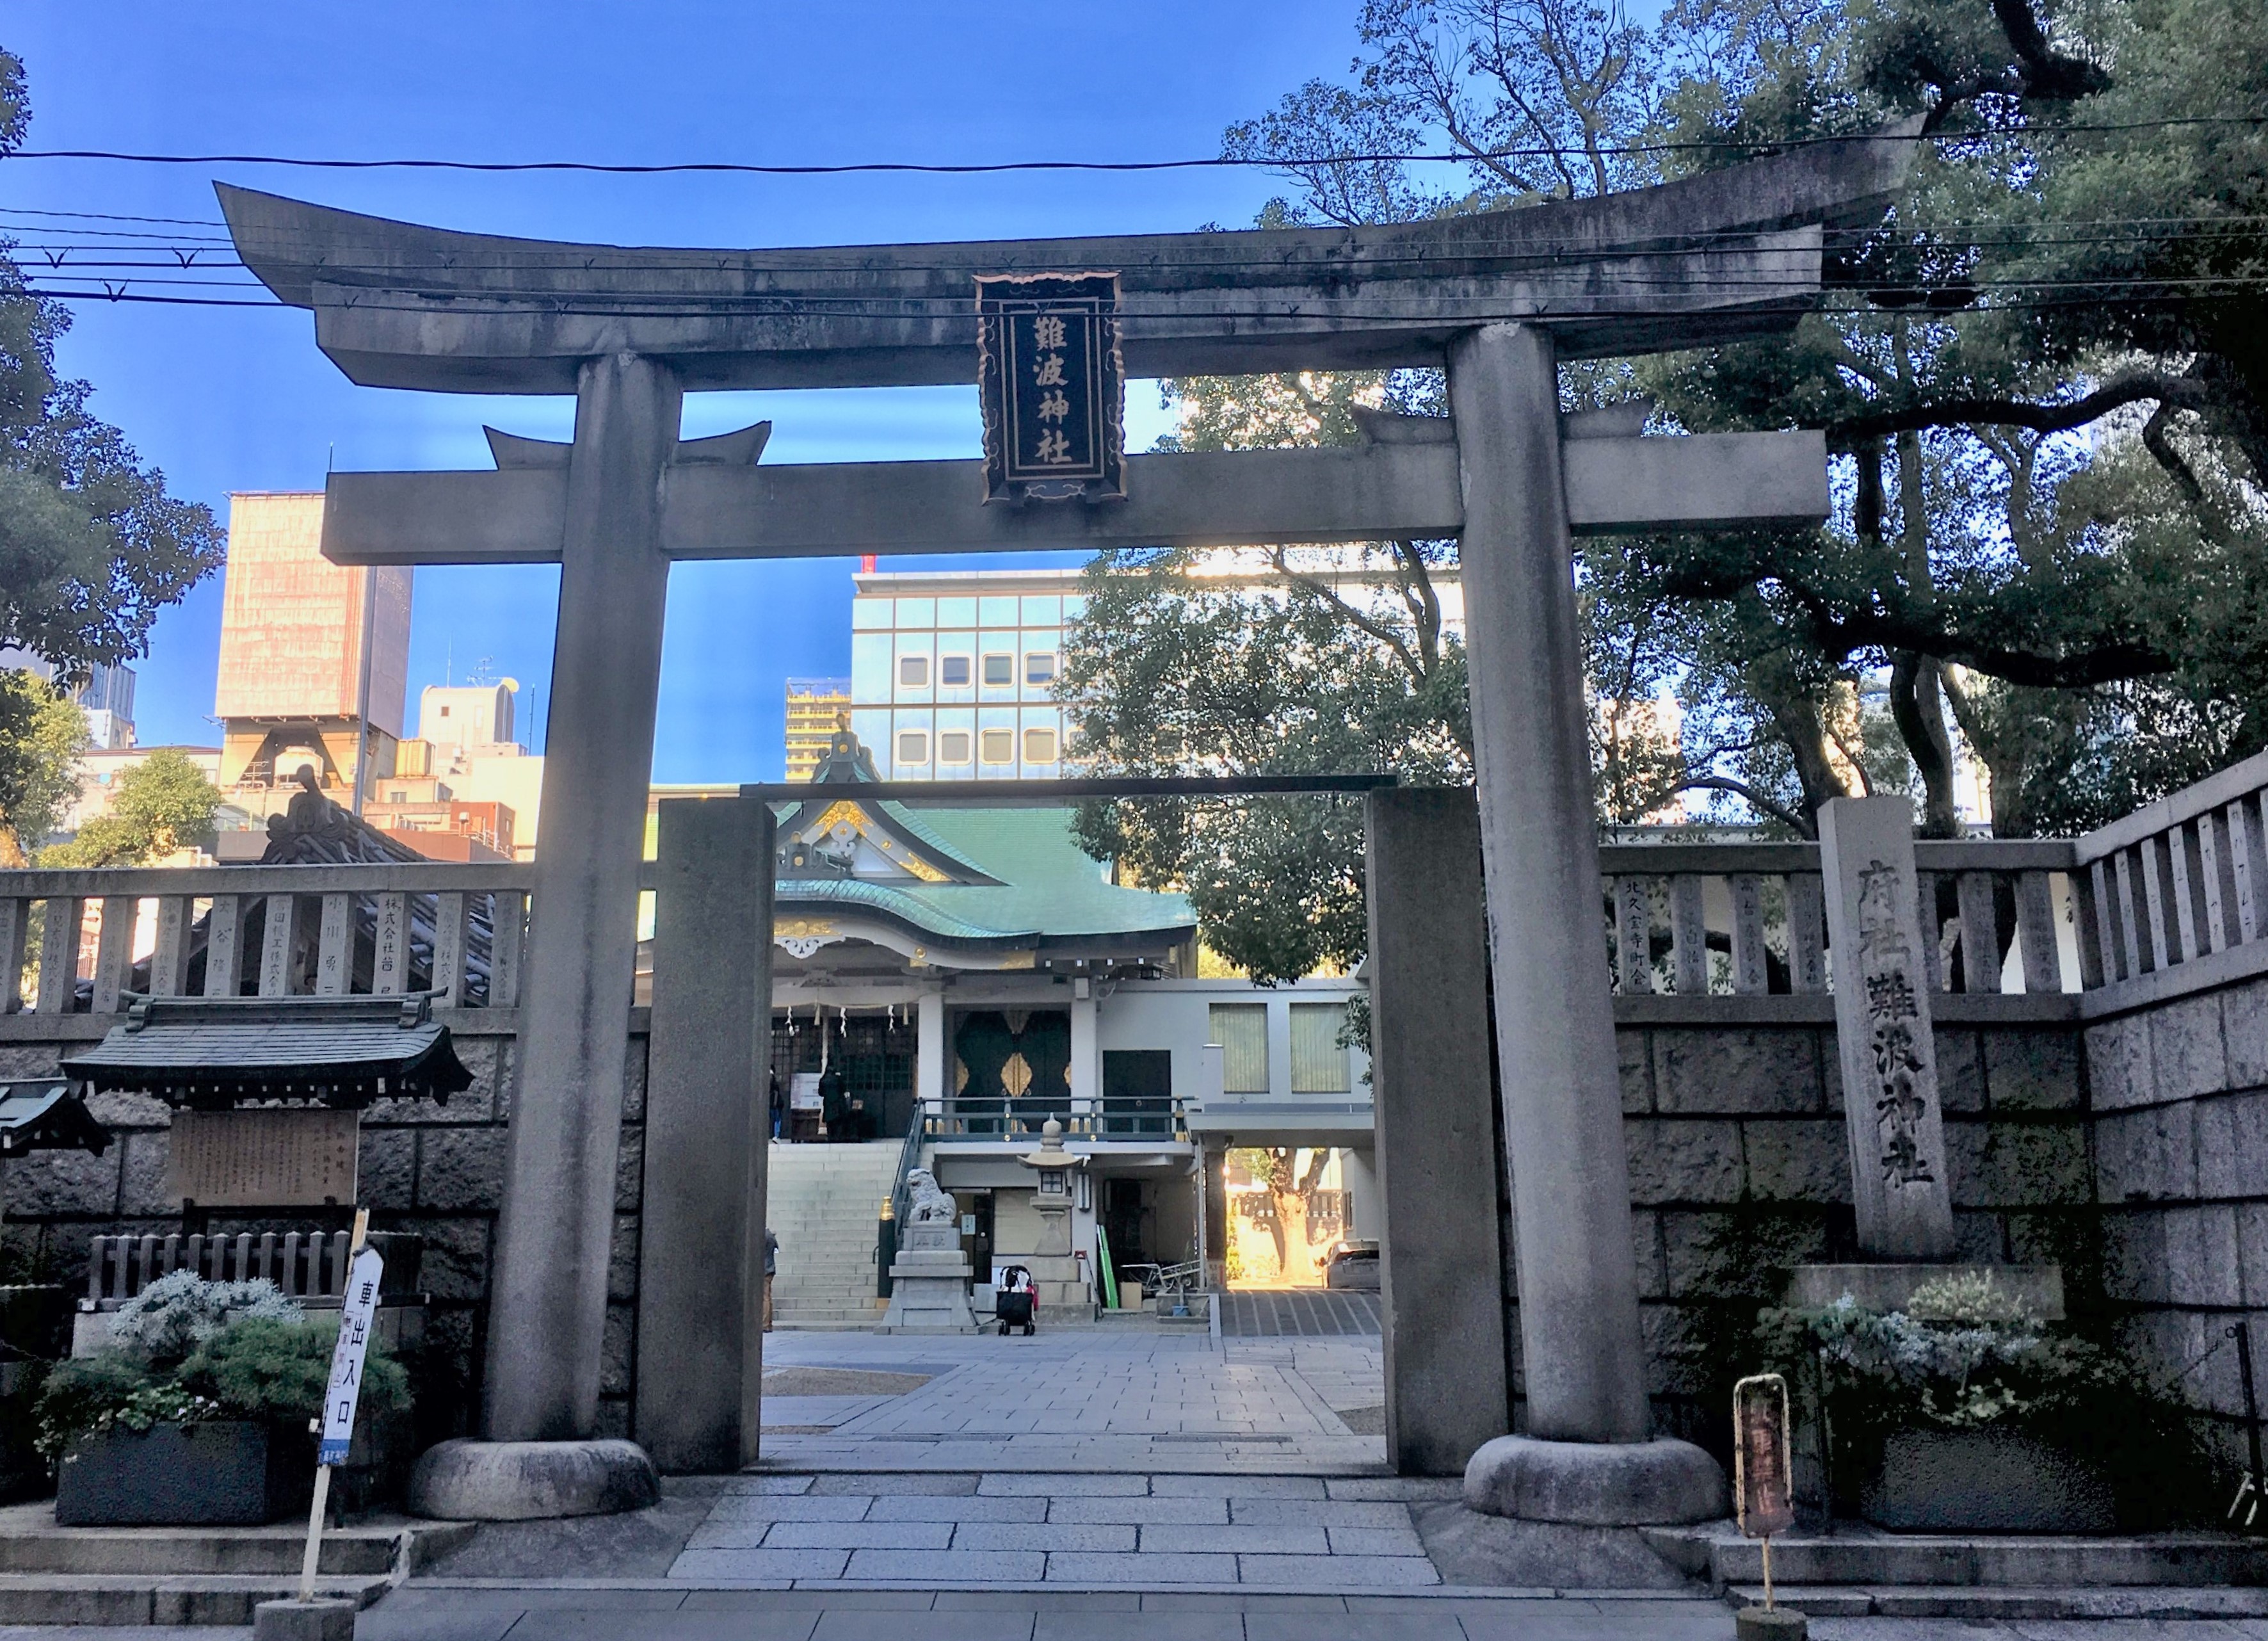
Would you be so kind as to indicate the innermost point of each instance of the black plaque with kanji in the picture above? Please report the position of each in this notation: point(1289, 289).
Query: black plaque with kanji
point(1052, 385)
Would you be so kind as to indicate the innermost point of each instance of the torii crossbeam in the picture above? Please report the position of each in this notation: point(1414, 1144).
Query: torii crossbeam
point(1497, 298)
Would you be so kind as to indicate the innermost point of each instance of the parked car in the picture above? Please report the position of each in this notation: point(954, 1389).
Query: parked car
point(1353, 1265)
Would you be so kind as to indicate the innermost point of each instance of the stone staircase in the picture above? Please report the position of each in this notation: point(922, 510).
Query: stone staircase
point(135, 1577)
point(823, 1203)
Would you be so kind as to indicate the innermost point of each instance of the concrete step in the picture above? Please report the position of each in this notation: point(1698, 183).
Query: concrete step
point(1861, 1556)
point(1973, 1605)
point(113, 1600)
point(30, 1542)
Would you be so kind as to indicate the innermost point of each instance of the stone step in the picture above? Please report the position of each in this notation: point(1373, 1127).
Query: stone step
point(1863, 1556)
point(114, 1600)
point(1975, 1605)
point(30, 1542)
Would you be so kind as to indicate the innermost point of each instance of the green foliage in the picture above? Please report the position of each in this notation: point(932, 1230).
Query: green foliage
point(263, 1367)
point(180, 1311)
point(1964, 1353)
point(164, 803)
point(2042, 377)
point(42, 736)
point(91, 545)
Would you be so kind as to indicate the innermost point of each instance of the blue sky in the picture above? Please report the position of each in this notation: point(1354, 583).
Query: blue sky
point(228, 399)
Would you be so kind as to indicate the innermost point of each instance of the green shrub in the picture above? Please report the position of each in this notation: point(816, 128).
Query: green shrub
point(262, 1368)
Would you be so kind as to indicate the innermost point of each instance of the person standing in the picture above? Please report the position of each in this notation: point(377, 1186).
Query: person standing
point(772, 1265)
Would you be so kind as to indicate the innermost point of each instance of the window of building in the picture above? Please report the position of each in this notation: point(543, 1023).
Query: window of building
point(913, 746)
point(913, 672)
point(1040, 667)
point(953, 671)
point(996, 746)
point(953, 746)
point(1319, 1059)
point(1000, 671)
point(1039, 746)
point(445, 712)
point(1241, 1031)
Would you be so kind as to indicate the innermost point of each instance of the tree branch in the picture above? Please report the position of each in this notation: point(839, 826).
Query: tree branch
point(2181, 392)
point(1315, 587)
point(2047, 73)
point(1748, 794)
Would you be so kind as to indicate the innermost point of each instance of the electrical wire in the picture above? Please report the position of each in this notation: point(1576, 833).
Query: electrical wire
point(1213, 162)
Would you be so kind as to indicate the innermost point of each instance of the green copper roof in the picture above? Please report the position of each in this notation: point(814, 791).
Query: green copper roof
point(1048, 889)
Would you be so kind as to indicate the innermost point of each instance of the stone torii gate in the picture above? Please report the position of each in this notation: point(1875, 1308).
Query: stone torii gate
point(1497, 298)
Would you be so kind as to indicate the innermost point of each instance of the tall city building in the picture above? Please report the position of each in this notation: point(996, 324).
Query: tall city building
point(105, 695)
point(813, 707)
point(315, 657)
point(463, 784)
point(953, 676)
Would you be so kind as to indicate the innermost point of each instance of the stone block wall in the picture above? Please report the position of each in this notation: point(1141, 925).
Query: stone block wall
point(432, 1169)
point(1740, 1169)
point(2180, 1161)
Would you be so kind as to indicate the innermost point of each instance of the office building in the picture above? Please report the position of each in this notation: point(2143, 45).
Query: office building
point(953, 676)
point(815, 713)
point(315, 657)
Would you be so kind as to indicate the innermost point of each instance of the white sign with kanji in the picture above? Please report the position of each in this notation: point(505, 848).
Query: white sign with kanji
point(361, 1305)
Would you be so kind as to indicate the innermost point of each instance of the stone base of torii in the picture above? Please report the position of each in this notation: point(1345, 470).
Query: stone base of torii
point(1498, 297)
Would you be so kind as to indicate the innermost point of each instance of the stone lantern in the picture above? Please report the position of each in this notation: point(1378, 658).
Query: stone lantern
point(1052, 1166)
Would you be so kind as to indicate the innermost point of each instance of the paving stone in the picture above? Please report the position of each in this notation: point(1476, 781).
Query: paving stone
point(1337, 1572)
point(987, 1566)
point(774, 1486)
point(804, 1507)
point(929, 1507)
point(1103, 1626)
point(1375, 1541)
point(1278, 1540)
point(884, 1624)
point(1021, 1535)
point(1008, 1484)
point(1288, 1513)
point(940, 1484)
point(858, 1536)
point(1147, 1569)
point(759, 1563)
point(1236, 1487)
point(1161, 1511)
point(1395, 1489)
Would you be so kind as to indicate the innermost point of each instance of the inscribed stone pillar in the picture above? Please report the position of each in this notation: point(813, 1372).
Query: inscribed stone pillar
point(700, 1338)
point(1882, 1031)
point(1585, 1369)
point(547, 1311)
point(1085, 1056)
point(1447, 1387)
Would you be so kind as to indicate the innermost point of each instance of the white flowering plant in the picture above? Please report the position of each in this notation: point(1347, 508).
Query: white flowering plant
point(177, 1312)
point(1964, 1353)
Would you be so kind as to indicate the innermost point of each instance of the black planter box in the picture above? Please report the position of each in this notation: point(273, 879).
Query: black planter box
point(227, 1473)
point(1995, 1479)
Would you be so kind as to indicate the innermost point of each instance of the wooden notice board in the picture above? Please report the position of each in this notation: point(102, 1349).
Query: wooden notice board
point(275, 1158)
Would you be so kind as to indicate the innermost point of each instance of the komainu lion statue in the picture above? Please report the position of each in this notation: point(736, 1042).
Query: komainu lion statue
point(928, 1204)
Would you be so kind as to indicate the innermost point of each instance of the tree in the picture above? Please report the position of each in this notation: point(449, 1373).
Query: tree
point(2041, 380)
point(91, 545)
point(42, 736)
point(164, 803)
point(1286, 660)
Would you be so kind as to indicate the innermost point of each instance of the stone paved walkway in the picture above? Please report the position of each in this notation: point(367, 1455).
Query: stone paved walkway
point(1080, 1531)
point(637, 1615)
point(1083, 1399)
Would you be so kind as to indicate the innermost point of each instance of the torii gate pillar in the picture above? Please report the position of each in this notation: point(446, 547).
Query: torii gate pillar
point(549, 1301)
point(1586, 1456)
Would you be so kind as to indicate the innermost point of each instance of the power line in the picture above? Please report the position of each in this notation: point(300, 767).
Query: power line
point(1213, 162)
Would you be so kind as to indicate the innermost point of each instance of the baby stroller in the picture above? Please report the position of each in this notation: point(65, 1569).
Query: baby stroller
point(1014, 1300)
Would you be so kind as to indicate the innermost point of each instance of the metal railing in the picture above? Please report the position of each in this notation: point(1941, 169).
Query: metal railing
point(1109, 1117)
point(76, 941)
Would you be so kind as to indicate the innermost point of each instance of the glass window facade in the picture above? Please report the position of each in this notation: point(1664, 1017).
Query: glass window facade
point(999, 746)
point(1319, 1059)
point(913, 746)
point(1241, 1031)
